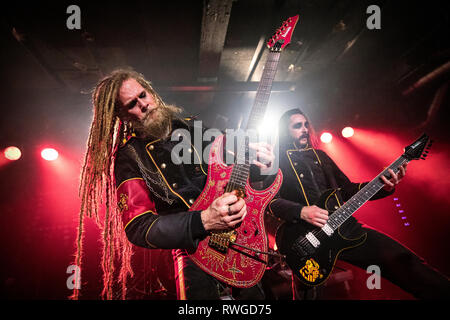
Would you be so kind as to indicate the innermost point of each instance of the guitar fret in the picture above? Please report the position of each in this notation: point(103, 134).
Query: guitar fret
point(365, 194)
point(238, 183)
point(237, 180)
point(239, 174)
point(264, 90)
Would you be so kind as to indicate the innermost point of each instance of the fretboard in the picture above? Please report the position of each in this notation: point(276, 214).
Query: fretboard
point(362, 196)
point(241, 169)
point(264, 89)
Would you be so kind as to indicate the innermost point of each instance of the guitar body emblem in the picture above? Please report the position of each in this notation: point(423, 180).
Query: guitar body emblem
point(311, 270)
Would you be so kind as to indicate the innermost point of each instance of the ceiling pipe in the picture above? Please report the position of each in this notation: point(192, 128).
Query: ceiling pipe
point(428, 78)
point(435, 106)
point(282, 86)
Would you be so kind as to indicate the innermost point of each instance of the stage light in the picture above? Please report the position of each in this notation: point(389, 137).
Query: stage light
point(12, 153)
point(326, 137)
point(348, 132)
point(49, 154)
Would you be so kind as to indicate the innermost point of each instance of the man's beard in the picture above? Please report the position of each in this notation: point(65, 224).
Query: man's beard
point(157, 123)
point(303, 145)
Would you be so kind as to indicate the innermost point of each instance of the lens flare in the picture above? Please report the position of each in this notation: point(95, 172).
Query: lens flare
point(49, 154)
point(326, 137)
point(12, 153)
point(348, 132)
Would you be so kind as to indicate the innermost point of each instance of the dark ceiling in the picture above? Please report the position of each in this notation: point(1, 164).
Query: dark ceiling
point(206, 56)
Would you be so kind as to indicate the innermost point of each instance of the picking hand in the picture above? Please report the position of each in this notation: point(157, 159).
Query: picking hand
point(314, 215)
point(224, 212)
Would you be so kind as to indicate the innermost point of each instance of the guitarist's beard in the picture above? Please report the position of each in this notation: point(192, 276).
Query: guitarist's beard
point(158, 125)
point(303, 141)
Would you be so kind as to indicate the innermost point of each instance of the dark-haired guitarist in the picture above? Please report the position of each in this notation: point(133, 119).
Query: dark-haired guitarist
point(307, 173)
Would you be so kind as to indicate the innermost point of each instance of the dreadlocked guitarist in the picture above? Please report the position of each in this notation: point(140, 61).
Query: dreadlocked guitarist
point(129, 162)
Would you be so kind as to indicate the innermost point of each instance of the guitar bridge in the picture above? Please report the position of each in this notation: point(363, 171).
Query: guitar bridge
point(220, 241)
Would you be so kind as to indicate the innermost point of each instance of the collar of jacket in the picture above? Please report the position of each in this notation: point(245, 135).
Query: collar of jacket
point(288, 155)
point(292, 146)
point(176, 124)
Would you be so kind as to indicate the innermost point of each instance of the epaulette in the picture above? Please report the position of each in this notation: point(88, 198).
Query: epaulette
point(191, 118)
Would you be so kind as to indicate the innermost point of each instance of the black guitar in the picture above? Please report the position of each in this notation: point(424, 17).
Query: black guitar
point(311, 252)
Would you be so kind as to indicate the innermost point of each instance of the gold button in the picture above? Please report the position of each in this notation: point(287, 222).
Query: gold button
point(163, 165)
point(336, 207)
point(295, 163)
point(191, 201)
point(301, 175)
point(175, 185)
point(151, 147)
point(190, 150)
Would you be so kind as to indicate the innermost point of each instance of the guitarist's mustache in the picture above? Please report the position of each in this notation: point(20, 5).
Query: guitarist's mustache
point(305, 135)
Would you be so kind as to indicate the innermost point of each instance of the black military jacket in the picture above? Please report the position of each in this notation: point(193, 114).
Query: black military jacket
point(307, 173)
point(155, 190)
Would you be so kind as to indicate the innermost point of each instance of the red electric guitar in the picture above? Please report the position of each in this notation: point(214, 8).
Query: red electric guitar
point(238, 257)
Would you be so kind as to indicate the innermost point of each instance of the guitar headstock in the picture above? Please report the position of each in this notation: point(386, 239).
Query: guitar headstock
point(283, 36)
point(418, 149)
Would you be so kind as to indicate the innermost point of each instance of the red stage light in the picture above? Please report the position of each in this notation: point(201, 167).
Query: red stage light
point(348, 132)
point(326, 137)
point(49, 154)
point(12, 153)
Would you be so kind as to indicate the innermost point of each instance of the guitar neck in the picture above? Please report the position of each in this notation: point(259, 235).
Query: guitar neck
point(241, 169)
point(362, 196)
point(264, 89)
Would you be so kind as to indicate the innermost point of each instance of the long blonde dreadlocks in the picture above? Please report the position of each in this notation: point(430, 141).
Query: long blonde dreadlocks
point(97, 179)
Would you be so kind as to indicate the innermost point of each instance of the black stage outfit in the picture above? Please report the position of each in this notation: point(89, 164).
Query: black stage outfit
point(154, 195)
point(306, 174)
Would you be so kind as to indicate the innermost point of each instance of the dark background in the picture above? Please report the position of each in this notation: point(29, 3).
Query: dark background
point(389, 84)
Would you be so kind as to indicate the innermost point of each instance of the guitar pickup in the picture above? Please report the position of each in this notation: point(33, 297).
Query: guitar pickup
point(303, 248)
